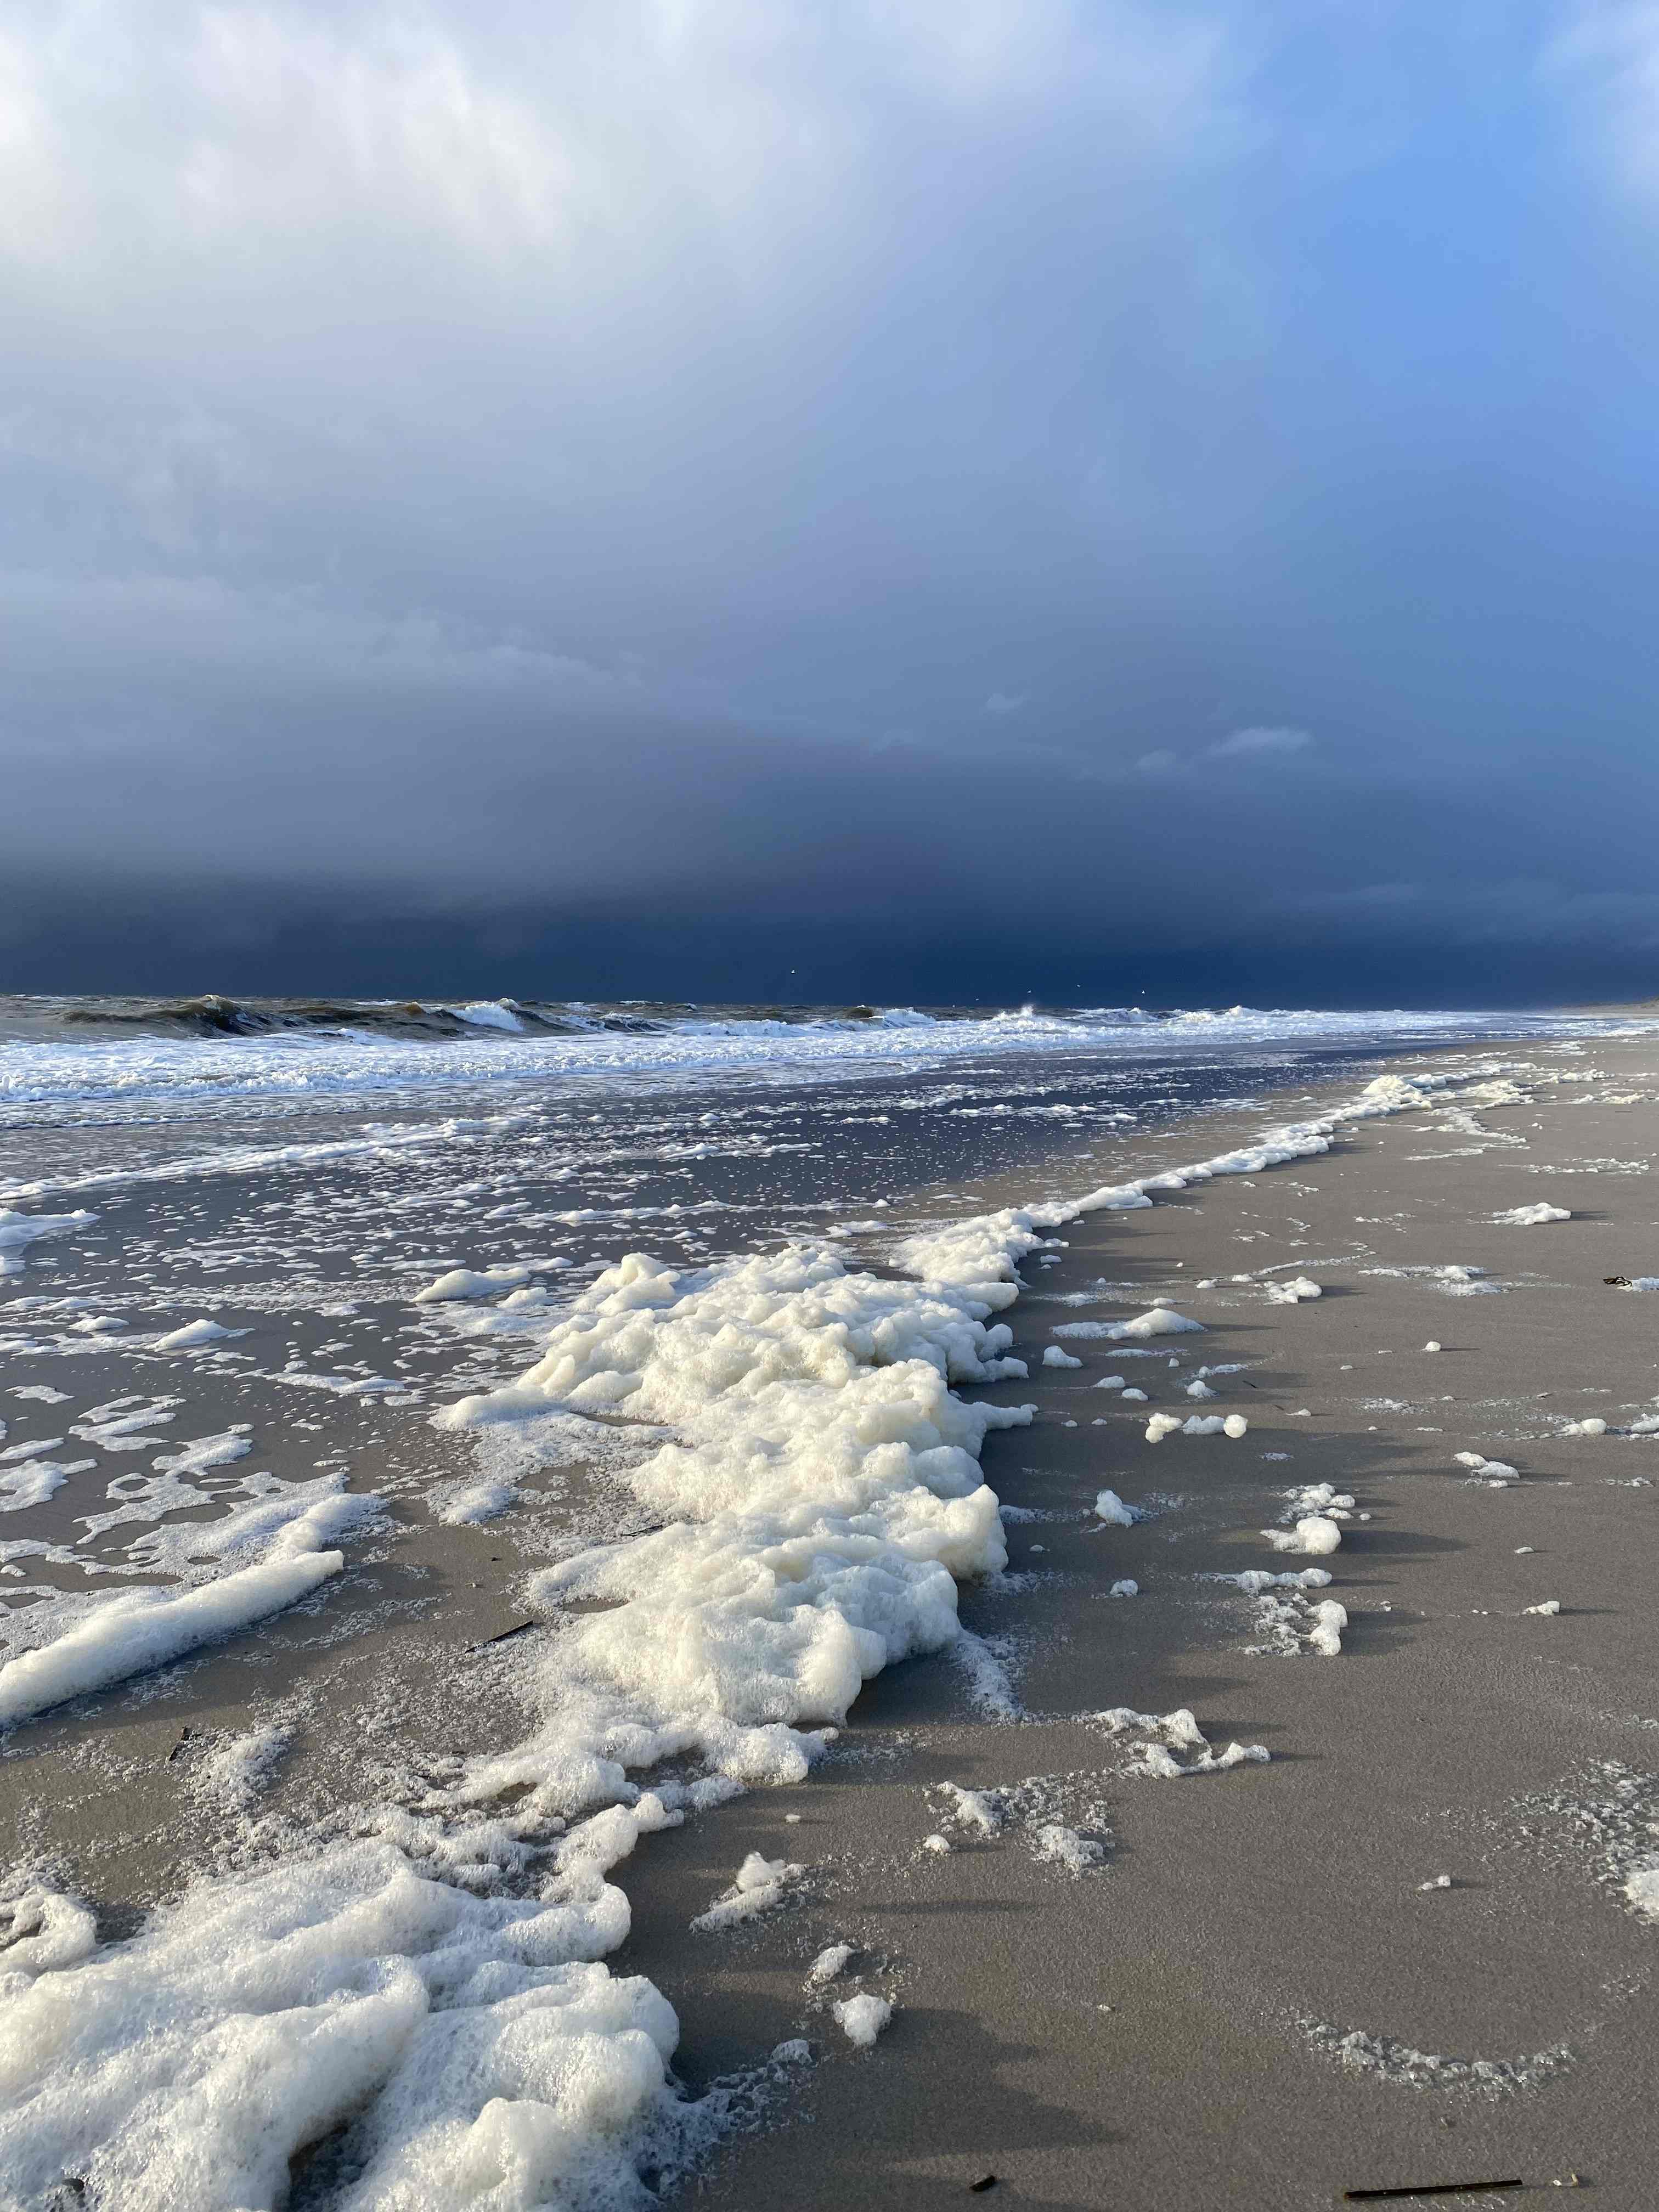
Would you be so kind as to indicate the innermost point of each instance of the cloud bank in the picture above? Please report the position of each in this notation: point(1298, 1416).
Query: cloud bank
point(687, 494)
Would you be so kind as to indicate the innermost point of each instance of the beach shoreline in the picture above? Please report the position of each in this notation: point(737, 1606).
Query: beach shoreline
point(1247, 1921)
point(995, 1958)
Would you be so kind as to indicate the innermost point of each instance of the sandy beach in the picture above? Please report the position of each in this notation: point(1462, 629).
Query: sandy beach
point(1169, 2030)
point(828, 1106)
point(1389, 1945)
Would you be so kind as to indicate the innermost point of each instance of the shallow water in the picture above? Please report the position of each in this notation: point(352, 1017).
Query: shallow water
point(300, 1193)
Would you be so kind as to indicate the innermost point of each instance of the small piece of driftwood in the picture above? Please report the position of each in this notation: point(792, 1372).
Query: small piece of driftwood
point(1430, 2189)
point(502, 1635)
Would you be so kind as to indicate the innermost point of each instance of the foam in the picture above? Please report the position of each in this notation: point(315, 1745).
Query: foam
point(223, 1448)
point(982, 1661)
point(1291, 1623)
point(1174, 1745)
point(125, 1424)
point(385, 1142)
point(47, 1931)
point(236, 1768)
point(285, 1065)
point(193, 1336)
point(476, 1502)
point(279, 1518)
point(1159, 1320)
point(33, 1481)
point(343, 1386)
point(1533, 1217)
point(1385, 2058)
point(462, 1283)
point(761, 1885)
point(823, 1499)
point(1065, 1847)
point(1328, 1619)
point(468, 2045)
point(1196, 1424)
point(1313, 1532)
point(1293, 1627)
point(831, 1961)
point(975, 1258)
point(140, 1630)
point(1322, 1497)
point(1496, 1473)
point(19, 1230)
point(1253, 1581)
point(980, 1811)
point(862, 2019)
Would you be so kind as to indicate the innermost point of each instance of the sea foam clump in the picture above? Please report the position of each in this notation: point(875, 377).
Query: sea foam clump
point(1196, 1424)
point(470, 2047)
point(762, 1885)
point(862, 2017)
point(19, 1230)
point(1159, 1320)
point(146, 1628)
point(1314, 1532)
point(1111, 1508)
point(1175, 1745)
point(193, 1336)
point(823, 1498)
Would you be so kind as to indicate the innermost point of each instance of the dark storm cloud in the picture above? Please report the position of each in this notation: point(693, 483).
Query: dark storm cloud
point(901, 499)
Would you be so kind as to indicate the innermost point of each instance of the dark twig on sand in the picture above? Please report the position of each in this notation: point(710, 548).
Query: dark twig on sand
point(502, 1635)
point(1431, 2189)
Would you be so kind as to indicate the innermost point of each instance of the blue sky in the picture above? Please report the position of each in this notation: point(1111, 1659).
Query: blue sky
point(902, 499)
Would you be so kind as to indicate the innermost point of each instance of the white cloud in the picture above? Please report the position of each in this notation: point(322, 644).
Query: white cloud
point(1606, 54)
point(1249, 745)
point(564, 319)
point(228, 144)
point(1253, 744)
point(1003, 702)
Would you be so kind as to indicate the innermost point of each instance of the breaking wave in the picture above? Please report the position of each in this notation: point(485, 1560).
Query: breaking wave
point(62, 1054)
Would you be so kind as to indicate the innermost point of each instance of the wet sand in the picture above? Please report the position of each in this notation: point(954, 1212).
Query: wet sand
point(1159, 2032)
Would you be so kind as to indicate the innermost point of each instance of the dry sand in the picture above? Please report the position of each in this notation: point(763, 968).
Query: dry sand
point(1159, 2032)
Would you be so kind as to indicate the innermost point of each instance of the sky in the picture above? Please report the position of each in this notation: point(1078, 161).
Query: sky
point(936, 500)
